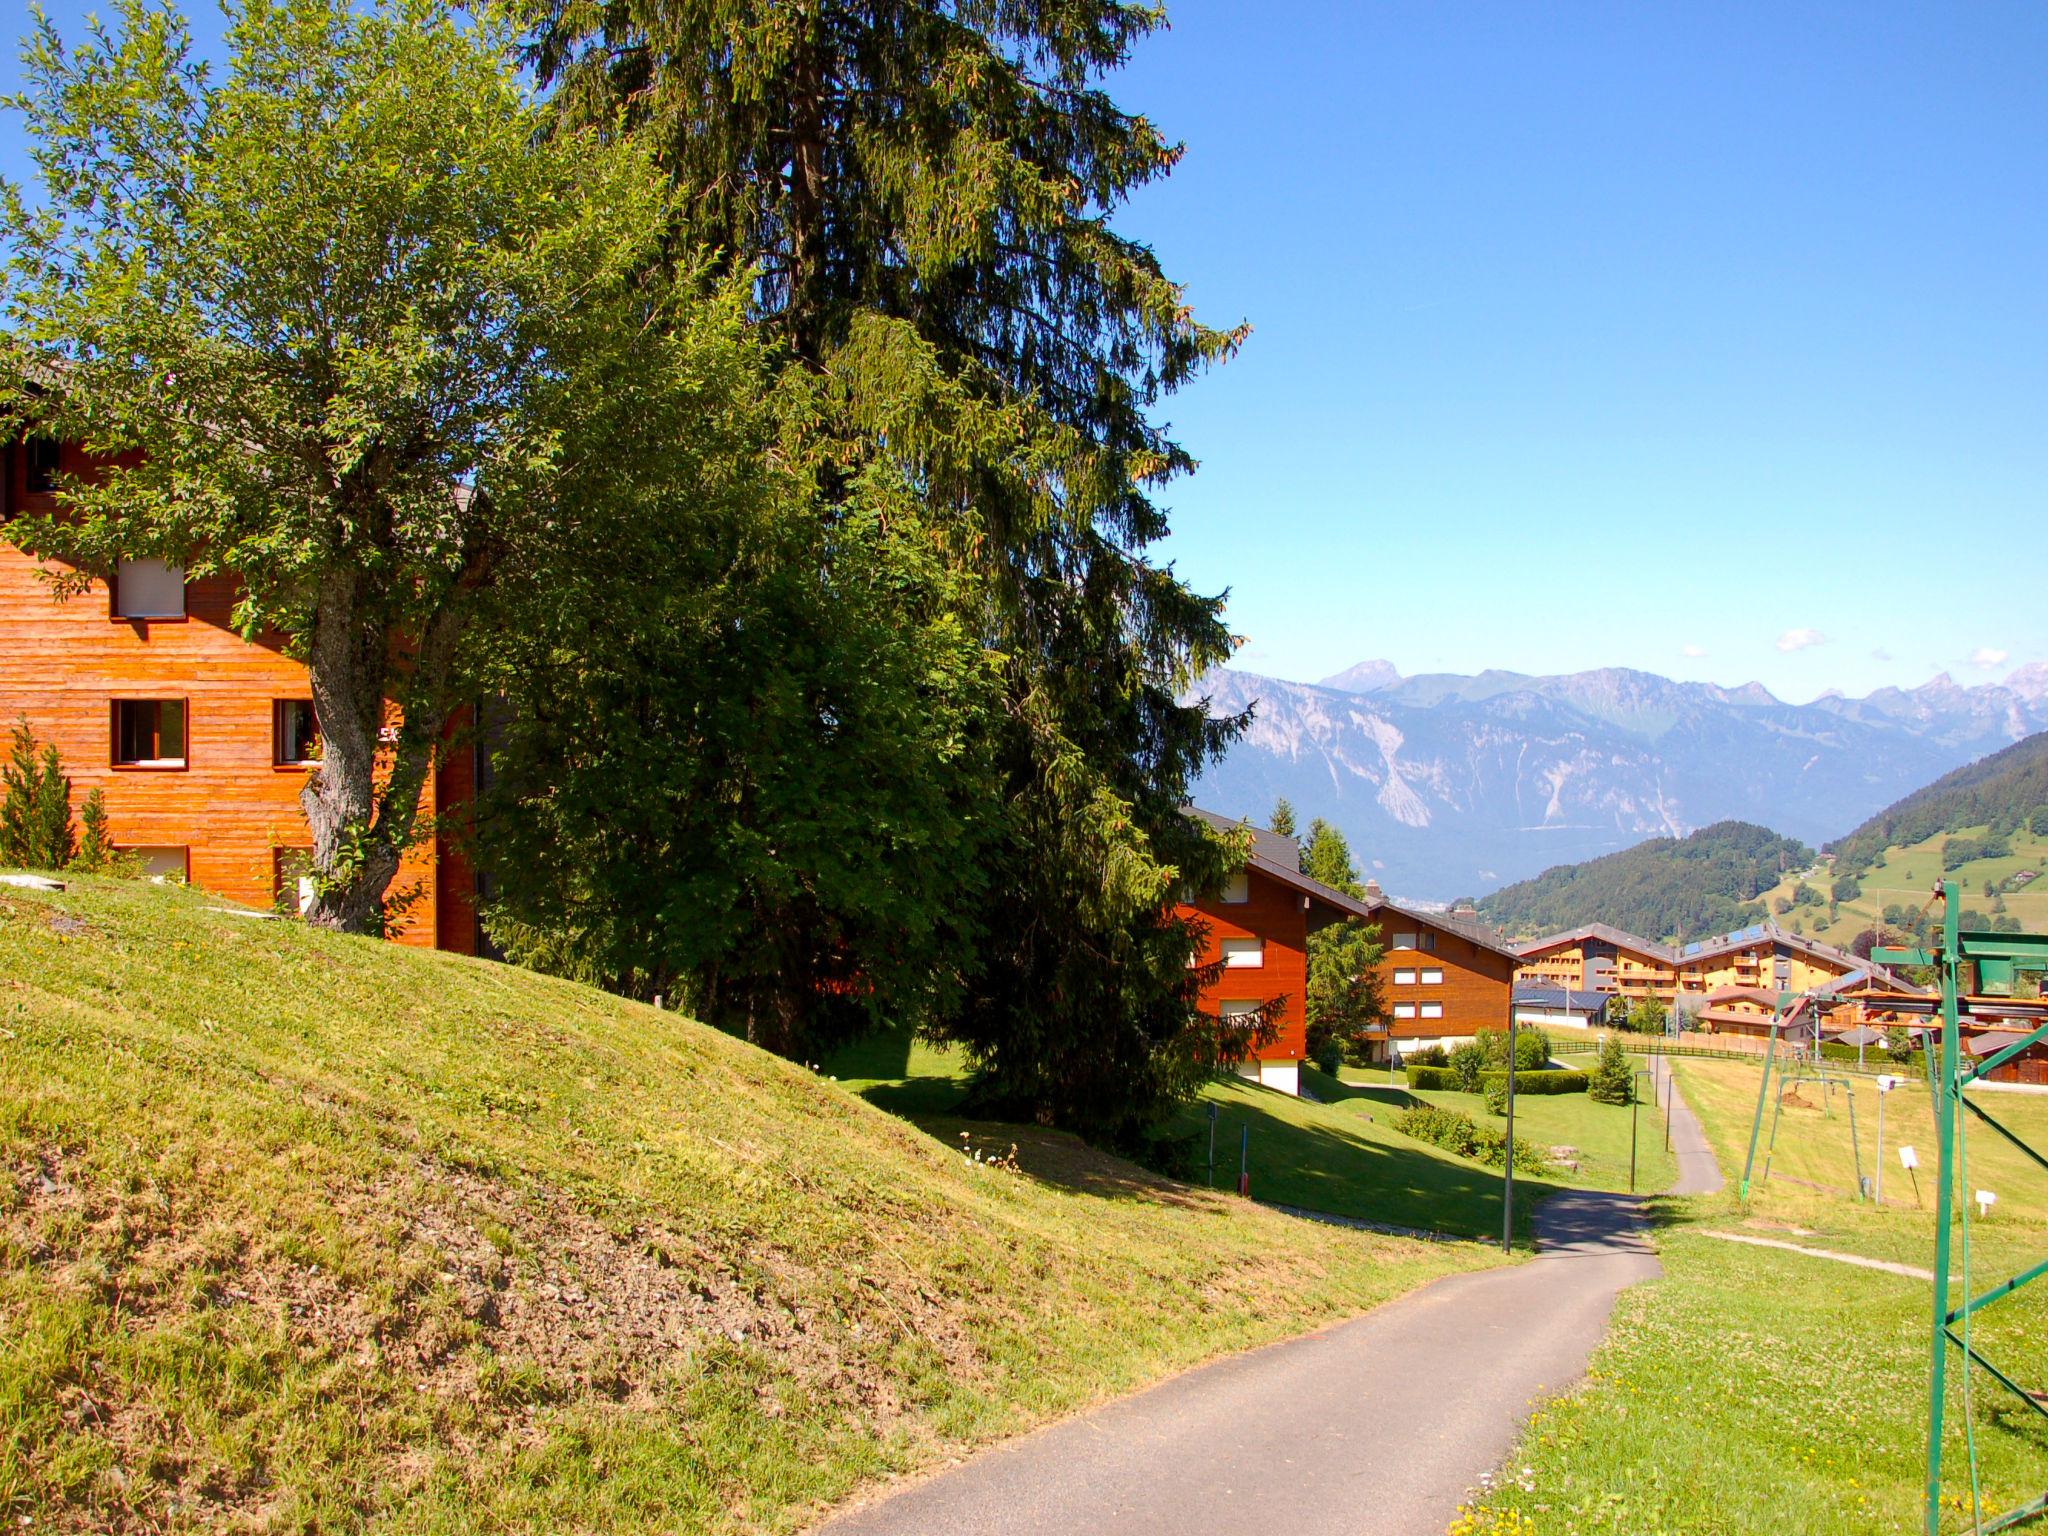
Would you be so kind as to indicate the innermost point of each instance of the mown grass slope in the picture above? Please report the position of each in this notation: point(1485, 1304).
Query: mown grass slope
point(301, 1232)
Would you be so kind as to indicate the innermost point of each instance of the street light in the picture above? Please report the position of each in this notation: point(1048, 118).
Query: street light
point(1885, 1084)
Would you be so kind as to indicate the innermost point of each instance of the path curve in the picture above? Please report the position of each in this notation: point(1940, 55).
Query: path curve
point(1376, 1427)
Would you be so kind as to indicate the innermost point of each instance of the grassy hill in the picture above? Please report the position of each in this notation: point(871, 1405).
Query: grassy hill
point(1904, 876)
point(303, 1232)
point(2003, 791)
point(1669, 888)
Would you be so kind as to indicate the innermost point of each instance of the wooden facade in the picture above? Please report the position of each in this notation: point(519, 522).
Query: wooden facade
point(1443, 978)
point(1598, 958)
point(223, 811)
point(1257, 928)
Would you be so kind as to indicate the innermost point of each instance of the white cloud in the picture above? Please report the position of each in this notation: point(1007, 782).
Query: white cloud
point(1800, 639)
point(1695, 652)
point(1989, 657)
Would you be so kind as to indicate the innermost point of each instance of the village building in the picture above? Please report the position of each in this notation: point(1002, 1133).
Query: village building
point(199, 740)
point(1444, 976)
point(1554, 1008)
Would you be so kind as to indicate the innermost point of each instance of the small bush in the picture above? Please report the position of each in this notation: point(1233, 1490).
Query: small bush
point(1613, 1080)
point(1496, 1093)
point(1432, 1079)
point(1428, 1056)
point(1330, 1058)
point(1458, 1133)
point(1548, 1081)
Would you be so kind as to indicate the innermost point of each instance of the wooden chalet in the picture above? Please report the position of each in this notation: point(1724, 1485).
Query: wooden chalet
point(1444, 975)
point(201, 740)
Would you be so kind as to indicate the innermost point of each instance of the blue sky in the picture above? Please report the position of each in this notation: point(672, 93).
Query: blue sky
point(1692, 338)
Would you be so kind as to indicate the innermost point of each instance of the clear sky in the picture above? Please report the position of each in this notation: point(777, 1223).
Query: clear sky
point(1708, 339)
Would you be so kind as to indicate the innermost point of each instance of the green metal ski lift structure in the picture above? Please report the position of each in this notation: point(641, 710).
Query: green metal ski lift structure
point(1993, 961)
point(1781, 1020)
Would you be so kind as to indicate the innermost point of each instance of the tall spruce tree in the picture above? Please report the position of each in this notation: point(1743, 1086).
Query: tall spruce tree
point(924, 193)
point(1343, 994)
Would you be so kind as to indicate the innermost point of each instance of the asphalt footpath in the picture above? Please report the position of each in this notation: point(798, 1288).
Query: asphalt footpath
point(1380, 1426)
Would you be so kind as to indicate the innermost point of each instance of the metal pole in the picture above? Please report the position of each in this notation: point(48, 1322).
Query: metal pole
point(1756, 1126)
point(1664, 1065)
point(1212, 1146)
point(1507, 1193)
point(1244, 1159)
point(1944, 1200)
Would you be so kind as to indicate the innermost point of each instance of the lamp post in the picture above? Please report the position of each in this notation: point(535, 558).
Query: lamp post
point(1885, 1084)
point(1635, 1100)
point(1507, 1195)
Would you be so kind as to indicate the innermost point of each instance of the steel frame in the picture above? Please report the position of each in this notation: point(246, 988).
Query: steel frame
point(1949, 1078)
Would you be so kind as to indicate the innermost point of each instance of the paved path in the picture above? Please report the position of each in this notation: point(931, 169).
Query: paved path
point(1376, 1427)
point(1698, 1173)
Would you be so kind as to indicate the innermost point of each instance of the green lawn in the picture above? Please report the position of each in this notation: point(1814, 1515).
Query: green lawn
point(301, 1232)
point(1755, 1390)
point(1336, 1151)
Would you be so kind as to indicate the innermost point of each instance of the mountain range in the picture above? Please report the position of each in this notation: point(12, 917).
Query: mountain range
point(1449, 785)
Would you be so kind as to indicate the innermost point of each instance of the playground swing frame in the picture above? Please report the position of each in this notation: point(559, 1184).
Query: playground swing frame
point(1828, 1083)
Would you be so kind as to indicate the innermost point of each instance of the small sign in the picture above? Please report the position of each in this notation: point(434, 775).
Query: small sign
point(1909, 1157)
point(1886, 1082)
point(1985, 1200)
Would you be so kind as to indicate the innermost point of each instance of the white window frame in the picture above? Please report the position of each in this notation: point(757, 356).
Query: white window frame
point(1432, 1010)
point(1433, 976)
point(1404, 1010)
point(1403, 941)
point(1242, 954)
point(1404, 978)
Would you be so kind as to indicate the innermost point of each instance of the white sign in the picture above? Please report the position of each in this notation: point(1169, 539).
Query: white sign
point(1886, 1083)
point(1909, 1157)
point(1985, 1200)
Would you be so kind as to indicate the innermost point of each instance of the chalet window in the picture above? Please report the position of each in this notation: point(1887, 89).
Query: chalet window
point(1432, 1010)
point(39, 465)
point(159, 863)
point(1243, 954)
point(1237, 889)
point(149, 733)
point(148, 589)
point(1404, 1010)
point(1427, 940)
point(294, 733)
point(1404, 941)
point(1404, 978)
point(1432, 978)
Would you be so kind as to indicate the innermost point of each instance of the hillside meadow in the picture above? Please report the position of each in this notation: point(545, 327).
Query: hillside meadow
point(302, 1232)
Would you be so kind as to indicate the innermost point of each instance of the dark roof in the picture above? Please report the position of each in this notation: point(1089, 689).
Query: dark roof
point(1566, 998)
point(1476, 933)
point(1274, 847)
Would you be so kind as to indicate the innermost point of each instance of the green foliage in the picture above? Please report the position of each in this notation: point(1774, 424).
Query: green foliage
point(1457, 1132)
point(1326, 856)
point(1330, 1059)
point(1283, 817)
point(35, 805)
point(95, 843)
point(1468, 1061)
point(1644, 1016)
point(1613, 1079)
point(1532, 1048)
point(1545, 1081)
point(1430, 1076)
point(1847, 888)
point(1958, 851)
point(2037, 822)
point(1995, 791)
point(1709, 882)
point(450, 351)
point(1432, 1055)
point(1496, 1093)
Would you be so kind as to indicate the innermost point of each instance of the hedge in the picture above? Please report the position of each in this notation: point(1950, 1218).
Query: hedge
point(1433, 1079)
point(1549, 1080)
point(1458, 1133)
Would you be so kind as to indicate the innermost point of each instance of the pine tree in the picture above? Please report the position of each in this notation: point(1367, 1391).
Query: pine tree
point(52, 839)
point(921, 197)
point(95, 845)
point(21, 784)
point(1283, 817)
point(1326, 856)
point(1612, 1081)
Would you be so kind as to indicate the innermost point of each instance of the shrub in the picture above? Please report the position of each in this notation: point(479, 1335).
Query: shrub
point(35, 806)
point(1532, 1049)
point(1468, 1061)
point(95, 847)
point(1432, 1079)
point(1497, 1093)
point(1429, 1056)
point(1549, 1080)
point(1330, 1057)
point(2038, 822)
point(1613, 1080)
point(1459, 1133)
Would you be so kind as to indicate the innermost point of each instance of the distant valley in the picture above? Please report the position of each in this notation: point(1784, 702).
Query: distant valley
point(1448, 785)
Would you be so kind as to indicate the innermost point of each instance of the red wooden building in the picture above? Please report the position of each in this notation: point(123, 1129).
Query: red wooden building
point(200, 739)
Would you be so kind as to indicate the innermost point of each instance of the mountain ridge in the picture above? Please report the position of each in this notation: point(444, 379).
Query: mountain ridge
point(1452, 784)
